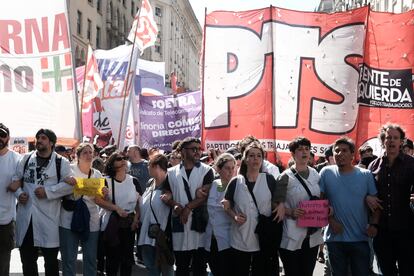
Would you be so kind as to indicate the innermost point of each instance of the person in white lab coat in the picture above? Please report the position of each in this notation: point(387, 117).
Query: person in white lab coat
point(9, 160)
point(38, 211)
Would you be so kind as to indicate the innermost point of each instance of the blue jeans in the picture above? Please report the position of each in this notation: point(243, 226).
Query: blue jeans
point(69, 243)
point(148, 256)
point(343, 254)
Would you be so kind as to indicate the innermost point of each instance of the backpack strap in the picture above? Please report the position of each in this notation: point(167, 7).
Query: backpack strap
point(113, 190)
point(58, 161)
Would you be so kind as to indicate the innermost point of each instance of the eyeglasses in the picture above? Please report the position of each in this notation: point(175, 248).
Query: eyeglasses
point(193, 149)
point(120, 158)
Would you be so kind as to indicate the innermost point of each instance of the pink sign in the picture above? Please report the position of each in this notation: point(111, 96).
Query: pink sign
point(316, 213)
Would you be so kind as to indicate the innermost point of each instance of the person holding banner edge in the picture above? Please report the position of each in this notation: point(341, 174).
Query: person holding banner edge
point(299, 245)
point(69, 241)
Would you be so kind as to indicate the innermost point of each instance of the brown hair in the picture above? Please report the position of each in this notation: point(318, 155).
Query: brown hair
point(252, 145)
point(160, 160)
point(81, 147)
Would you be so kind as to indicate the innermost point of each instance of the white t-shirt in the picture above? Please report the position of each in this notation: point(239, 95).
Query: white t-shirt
point(8, 166)
point(126, 197)
point(66, 216)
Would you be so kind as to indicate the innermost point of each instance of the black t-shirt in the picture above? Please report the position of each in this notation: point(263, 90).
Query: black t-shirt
point(231, 188)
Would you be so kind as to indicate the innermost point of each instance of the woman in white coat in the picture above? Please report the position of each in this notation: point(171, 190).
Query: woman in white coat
point(69, 241)
point(299, 245)
point(154, 211)
point(248, 194)
point(217, 236)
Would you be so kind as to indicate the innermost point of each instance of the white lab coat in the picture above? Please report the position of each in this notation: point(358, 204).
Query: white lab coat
point(45, 212)
point(189, 239)
point(243, 237)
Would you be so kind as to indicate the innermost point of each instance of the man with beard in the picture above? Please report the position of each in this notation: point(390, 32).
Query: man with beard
point(43, 185)
point(8, 164)
point(189, 183)
point(346, 187)
point(394, 175)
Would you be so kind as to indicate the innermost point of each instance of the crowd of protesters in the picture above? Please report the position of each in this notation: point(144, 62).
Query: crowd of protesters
point(233, 210)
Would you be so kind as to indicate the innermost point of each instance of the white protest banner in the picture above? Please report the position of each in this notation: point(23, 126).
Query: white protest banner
point(36, 70)
point(111, 106)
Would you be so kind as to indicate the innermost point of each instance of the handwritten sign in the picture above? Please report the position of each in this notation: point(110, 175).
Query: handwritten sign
point(316, 213)
point(89, 186)
point(19, 144)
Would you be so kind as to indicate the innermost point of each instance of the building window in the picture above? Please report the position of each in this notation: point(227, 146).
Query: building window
point(89, 30)
point(158, 11)
point(118, 19)
point(124, 3)
point(126, 28)
point(158, 49)
point(98, 6)
point(79, 23)
point(132, 8)
point(98, 37)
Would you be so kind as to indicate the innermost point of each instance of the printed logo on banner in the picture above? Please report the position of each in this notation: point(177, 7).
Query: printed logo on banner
point(385, 88)
point(57, 73)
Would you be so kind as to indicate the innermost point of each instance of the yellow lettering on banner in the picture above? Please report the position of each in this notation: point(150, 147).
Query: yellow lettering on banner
point(89, 186)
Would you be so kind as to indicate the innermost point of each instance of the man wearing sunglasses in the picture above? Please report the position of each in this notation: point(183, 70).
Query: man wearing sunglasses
point(186, 182)
point(8, 164)
point(45, 180)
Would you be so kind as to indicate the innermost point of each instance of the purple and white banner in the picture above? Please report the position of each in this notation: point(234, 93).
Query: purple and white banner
point(164, 119)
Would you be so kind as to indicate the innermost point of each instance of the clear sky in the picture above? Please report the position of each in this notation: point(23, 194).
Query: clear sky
point(242, 5)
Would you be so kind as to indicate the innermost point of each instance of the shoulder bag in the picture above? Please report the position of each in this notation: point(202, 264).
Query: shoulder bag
point(200, 215)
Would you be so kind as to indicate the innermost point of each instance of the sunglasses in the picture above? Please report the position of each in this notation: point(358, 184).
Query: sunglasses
point(3, 134)
point(120, 158)
point(193, 149)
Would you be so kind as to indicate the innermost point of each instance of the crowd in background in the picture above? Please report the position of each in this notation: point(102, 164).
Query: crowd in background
point(184, 209)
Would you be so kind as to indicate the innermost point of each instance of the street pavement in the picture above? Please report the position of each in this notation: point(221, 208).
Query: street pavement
point(138, 270)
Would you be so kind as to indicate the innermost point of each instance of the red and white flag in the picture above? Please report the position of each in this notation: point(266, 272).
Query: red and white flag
point(93, 82)
point(88, 90)
point(144, 28)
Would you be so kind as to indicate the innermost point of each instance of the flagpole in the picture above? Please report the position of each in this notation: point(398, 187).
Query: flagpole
point(203, 64)
point(83, 88)
point(127, 77)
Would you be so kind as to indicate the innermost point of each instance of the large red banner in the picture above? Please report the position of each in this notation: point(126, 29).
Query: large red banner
point(278, 74)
